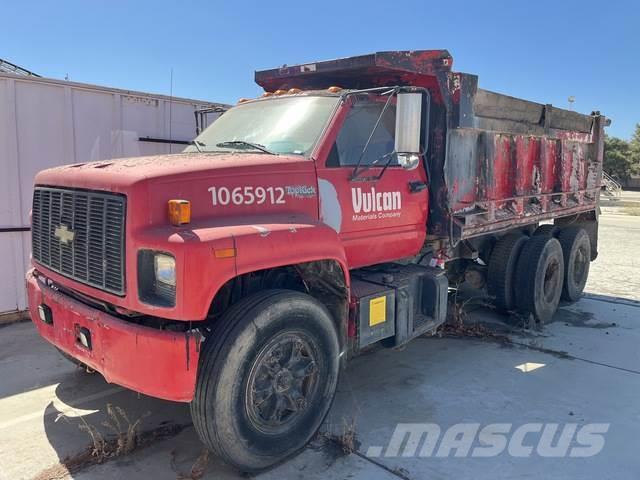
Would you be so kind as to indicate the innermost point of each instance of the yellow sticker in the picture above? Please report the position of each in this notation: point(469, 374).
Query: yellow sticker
point(377, 311)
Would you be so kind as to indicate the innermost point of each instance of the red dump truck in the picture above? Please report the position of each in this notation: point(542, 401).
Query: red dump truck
point(327, 216)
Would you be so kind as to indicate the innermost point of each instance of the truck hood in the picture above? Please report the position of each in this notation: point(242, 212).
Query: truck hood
point(120, 174)
point(217, 185)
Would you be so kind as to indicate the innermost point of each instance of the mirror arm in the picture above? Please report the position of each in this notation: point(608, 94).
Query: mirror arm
point(355, 177)
point(356, 170)
point(422, 154)
point(386, 165)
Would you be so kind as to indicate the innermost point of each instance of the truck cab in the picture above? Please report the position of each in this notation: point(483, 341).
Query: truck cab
point(326, 217)
point(362, 188)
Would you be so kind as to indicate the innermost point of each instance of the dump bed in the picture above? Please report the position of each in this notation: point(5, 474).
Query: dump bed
point(494, 161)
point(511, 161)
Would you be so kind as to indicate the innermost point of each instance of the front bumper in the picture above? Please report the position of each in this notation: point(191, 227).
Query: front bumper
point(158, 363)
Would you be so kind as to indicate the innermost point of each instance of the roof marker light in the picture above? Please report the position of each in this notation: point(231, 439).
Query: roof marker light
point(334, 89)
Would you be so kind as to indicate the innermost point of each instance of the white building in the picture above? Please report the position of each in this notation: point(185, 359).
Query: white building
point(45, 123)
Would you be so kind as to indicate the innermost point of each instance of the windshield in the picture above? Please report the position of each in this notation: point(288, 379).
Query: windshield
point(288, 125)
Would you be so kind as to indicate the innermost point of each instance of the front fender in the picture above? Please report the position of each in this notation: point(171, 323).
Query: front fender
point(260, 243)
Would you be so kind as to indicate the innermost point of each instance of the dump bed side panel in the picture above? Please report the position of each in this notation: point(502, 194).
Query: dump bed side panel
point(510, 161)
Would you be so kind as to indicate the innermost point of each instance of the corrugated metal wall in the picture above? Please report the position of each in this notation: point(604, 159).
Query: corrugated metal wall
point(45, 123)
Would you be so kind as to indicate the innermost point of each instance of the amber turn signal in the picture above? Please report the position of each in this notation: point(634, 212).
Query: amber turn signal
point(179, 212)
point(224, 252)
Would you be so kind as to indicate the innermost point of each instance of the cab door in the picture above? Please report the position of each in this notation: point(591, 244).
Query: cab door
point(380, 215)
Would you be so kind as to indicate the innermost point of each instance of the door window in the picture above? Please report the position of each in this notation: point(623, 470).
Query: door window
point(355, 132)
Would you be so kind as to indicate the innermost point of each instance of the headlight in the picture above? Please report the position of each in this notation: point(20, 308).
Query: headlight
point(157, 278)
point(165, 269)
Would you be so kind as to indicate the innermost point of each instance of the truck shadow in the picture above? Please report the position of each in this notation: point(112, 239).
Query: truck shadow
point(82, 408)
point(92, 421)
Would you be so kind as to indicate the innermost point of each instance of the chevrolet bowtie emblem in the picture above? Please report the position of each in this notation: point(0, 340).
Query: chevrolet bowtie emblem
point(63, 234)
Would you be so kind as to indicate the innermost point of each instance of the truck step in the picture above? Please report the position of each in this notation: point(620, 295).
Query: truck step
point(396, 303)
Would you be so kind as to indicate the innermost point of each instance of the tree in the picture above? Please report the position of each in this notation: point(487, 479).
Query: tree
point(618, 161)
point(634, 150)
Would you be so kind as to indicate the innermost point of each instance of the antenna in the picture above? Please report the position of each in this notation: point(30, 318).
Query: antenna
point(170, 110)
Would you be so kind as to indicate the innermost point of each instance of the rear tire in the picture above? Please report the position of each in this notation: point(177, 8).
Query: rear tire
point(549, 230)
point(502, 265)
point(576, 249)
point(267, 377)
point(539, 277)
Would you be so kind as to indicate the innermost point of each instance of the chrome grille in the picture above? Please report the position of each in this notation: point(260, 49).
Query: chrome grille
point(80, 234)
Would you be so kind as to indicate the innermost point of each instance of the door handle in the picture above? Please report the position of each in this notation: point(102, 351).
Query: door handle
point(417, 186)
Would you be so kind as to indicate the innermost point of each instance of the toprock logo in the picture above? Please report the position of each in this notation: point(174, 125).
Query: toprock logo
point(371, 204)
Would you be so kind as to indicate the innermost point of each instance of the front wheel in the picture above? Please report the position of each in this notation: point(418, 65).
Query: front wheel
point(267, 377)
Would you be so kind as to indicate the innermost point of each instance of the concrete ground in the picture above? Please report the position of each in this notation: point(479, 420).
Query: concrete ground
point(616, 270)
point(622, 197)
point(584, 368)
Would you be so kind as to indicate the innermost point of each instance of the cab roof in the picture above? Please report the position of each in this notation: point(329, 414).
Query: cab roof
point(351, 72)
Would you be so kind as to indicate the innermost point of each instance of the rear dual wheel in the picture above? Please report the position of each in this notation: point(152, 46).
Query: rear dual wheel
point(539, 277)
point(576, 249)
point(502, 266)
point(548, 229)
point(531, 275)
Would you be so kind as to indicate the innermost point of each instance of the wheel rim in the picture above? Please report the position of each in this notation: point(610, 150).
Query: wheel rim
point(580, 263)
point(282, 383)
point(551, 281)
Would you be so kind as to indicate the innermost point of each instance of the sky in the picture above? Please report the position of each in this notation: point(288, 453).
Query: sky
point(539, 50)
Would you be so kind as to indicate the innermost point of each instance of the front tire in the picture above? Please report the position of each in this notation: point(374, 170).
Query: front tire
point(267, 377)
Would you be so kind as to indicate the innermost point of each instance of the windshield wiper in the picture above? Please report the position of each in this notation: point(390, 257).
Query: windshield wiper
point(242, 145)
point(198, 144)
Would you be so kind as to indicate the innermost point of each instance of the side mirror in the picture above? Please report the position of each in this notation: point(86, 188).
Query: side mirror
point(408, 123)
point(408, 161)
